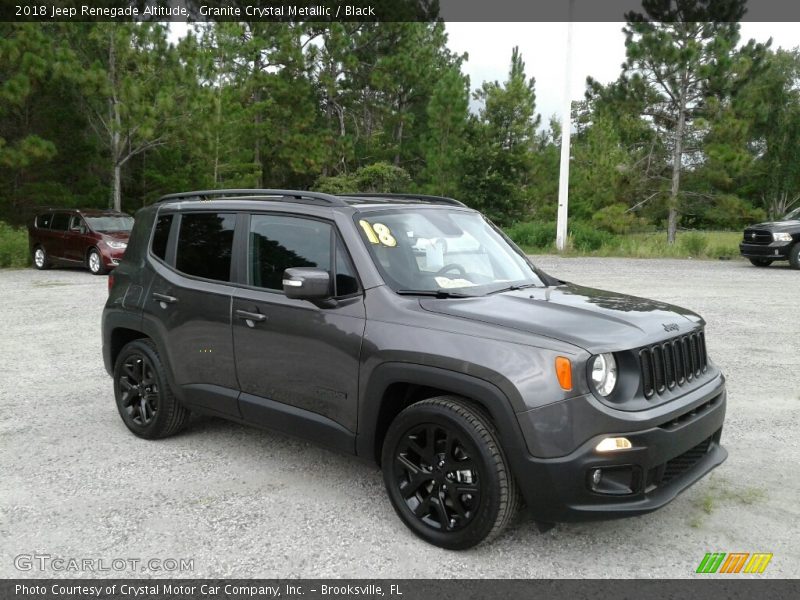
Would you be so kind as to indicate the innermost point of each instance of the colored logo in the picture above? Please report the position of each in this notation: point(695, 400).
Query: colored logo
point(734, 562)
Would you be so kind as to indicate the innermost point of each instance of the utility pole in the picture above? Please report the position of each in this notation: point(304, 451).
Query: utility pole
point(566, 132)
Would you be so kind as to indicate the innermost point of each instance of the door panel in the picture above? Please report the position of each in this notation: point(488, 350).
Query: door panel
point(75, 239)
point(54, 240)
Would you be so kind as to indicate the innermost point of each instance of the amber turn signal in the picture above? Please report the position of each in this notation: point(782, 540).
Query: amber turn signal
point(564, 372)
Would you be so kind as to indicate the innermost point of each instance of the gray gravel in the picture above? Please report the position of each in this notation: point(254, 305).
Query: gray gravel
point(247, 503)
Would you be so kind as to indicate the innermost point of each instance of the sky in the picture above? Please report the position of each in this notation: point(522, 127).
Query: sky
point(598, 50)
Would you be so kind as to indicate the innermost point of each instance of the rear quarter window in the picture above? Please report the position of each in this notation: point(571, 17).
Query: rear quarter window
point(43, 221)
point(161, 236)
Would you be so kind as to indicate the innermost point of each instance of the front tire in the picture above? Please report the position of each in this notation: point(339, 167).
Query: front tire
point(95, 262)
point(794, 256)
point(446, 475)
point(760, 262)
point(144, 399)
point(40, 259)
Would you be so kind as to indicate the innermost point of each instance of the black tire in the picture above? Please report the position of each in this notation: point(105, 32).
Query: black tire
point(428, 446)
point(760, 262)
point(94, 262)
point(144, 399)
point(40, 258)
point(794, 256)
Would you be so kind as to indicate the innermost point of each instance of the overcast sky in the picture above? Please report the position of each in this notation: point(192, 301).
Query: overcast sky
point(598, 50)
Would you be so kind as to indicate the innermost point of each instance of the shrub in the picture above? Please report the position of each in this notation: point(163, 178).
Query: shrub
point(694, 243)
point(615, 219)
point(13, 246)
point(586, 238)
point(533, 234)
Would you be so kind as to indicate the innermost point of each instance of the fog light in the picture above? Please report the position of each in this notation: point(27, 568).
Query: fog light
point(597, 475)
point(615, 443)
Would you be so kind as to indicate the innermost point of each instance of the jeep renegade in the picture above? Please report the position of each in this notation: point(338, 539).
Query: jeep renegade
point(410, 331)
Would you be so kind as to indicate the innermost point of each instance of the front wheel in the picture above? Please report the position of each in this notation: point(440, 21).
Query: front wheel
point(446, 474)
point(794, 256)
point(760, 262)
point(144, 399)
point(95, 262)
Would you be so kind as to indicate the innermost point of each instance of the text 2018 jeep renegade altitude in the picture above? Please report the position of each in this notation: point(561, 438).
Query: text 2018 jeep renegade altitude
point(410, 331)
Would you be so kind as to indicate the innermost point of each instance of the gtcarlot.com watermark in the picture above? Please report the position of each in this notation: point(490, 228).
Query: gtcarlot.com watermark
point(48, 562)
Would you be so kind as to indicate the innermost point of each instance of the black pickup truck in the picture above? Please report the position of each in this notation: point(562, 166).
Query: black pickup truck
point(779, 240)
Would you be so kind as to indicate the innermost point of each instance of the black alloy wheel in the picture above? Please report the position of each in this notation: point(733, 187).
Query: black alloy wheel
point(144, 398)
point(446, 474)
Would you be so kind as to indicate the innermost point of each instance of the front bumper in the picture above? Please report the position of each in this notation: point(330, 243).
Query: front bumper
point(664, 461)
point(112, 257)
point(775, 250)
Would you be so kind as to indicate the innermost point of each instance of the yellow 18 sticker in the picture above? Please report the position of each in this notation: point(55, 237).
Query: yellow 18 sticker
point(378, 233)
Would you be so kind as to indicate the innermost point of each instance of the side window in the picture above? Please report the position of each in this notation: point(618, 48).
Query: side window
point(76, 224)
point(205, 241)
point(278, 243)
point(60, 222)
point(161, 236)
point(43, 221)
point(346, 282)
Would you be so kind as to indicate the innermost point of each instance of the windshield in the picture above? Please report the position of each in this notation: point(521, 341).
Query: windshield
point(111, 224)
point(793, 216)
point(441, 249)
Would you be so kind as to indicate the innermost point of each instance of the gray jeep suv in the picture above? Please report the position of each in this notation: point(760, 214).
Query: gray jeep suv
point(409, 331)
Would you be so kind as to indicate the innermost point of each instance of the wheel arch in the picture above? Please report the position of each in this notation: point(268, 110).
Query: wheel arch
point(395, 386)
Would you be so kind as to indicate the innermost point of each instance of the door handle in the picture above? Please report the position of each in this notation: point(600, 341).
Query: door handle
point(164, 299)
point(251, 317)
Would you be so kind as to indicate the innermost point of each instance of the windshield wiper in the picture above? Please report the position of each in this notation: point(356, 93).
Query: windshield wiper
point(513, 288)
point(434, 293)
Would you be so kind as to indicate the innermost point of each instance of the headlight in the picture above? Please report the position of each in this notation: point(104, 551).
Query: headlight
point(782, 237)
point(603, 373)
point(117, 245)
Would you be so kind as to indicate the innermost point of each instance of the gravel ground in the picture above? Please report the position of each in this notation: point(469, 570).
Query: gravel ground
point(248, 503)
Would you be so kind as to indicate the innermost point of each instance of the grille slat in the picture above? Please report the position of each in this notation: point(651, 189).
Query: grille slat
point(672, 363)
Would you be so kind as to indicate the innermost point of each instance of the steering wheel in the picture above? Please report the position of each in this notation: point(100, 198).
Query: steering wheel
point(451, 267)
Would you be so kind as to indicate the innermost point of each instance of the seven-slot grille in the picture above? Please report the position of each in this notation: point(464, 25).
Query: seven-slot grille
point(672, 363)
point(757, 236)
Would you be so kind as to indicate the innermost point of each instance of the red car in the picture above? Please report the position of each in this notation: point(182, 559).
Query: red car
point(95, 239)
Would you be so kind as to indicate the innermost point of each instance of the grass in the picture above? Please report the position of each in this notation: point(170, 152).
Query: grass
point(584, 241)
point(720, 491)
point(13, 247)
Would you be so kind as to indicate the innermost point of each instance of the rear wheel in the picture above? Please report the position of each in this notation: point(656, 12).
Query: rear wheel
point(40, 258)
point(144, 399)
point(760, 262)
point(446, 474)
point(794, 256)
point(95, 262)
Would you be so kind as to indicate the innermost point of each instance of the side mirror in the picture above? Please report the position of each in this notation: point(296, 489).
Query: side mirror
point(306, 283)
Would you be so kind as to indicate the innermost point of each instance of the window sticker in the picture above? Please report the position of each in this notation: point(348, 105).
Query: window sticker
point(378, 233)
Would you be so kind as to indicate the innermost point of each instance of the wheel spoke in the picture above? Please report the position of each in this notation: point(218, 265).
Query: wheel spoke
point(414, 483)
point(423, 508)
point(455, 501)
point(441, 509)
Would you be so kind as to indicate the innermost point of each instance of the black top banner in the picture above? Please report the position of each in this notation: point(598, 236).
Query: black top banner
point(397, 10)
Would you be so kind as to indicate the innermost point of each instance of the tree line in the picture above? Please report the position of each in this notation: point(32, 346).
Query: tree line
point(698, 131)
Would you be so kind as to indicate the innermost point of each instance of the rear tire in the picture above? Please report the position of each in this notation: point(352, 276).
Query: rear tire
point(760, 262)
point(144, 399)
point(794, 256)
point(95, 262)
point(40, 259)
point(446, 474)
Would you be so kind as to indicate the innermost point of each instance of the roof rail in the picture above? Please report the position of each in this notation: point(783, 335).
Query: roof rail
point(423, 197)
point(280, 195)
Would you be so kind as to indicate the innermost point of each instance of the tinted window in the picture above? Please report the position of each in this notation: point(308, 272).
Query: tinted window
point(278, 243)
point(161, 236)
point(60, 222)
point(204, 245)
point(43, 221)
point(346, 282)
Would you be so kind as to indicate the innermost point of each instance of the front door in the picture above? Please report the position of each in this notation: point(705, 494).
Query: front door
point(295, 358)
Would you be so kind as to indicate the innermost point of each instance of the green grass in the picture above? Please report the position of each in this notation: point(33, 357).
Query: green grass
point(13, 247)
point(535, 238)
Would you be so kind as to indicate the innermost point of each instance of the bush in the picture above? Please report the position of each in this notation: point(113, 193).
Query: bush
point(694, 243)
point(13, 246)
point(586, 238)
point(533, 235)
point(615, 219)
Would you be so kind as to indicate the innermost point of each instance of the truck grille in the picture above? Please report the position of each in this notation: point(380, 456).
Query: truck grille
point(674, 362)
point(673, 468)
point(757, 236)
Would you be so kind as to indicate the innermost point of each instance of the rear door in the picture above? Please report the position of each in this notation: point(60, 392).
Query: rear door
point(53, 241)
point(75, 240)
point(189, 303)
point(294, 357)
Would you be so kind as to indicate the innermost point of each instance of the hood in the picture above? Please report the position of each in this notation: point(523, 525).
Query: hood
point(117, 236)
point(778, 226)
point(596, 320)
